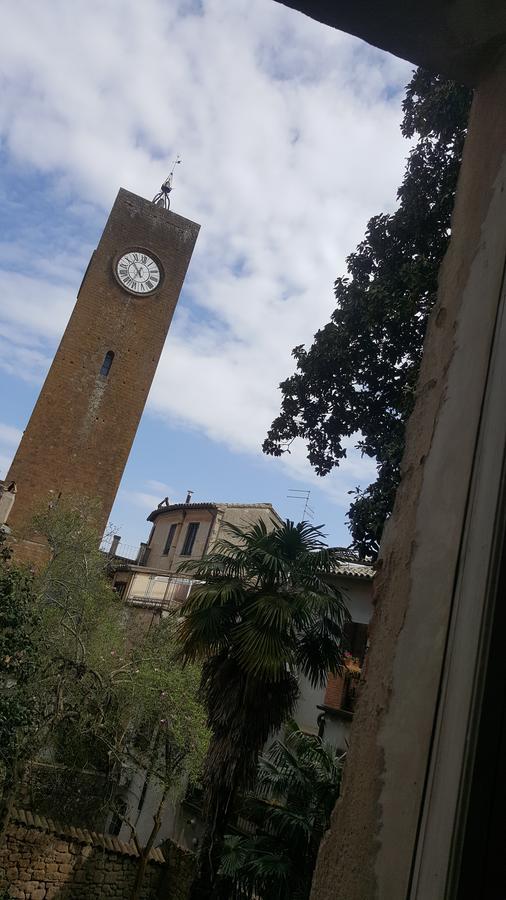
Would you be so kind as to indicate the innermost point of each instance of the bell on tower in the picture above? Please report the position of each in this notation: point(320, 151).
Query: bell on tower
point(83, 425)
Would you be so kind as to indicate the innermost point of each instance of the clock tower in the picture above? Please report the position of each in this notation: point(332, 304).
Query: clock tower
point(81, 430)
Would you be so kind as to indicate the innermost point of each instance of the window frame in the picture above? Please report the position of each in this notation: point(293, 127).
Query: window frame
point(189, 539)
point(107, 363)
point(170, 538)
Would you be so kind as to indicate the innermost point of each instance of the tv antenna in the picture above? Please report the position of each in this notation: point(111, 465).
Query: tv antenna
point(162, 197)
point(302, 497)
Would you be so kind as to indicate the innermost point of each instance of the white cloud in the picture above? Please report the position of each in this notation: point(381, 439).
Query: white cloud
point(5, 461)
point(354, 470)
point(152, 492)
point(142, 500)
point(10, 435)
point(289, 143)
point(9, 439)
point(159, 486)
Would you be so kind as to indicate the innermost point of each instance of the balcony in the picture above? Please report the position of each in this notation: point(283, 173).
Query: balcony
point(158, 591)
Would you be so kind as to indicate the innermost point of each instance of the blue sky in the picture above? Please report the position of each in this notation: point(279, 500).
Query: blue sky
point(289, 137)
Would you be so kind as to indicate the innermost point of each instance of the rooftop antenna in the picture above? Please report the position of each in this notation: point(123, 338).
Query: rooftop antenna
point(162, 197)
point(302, 496)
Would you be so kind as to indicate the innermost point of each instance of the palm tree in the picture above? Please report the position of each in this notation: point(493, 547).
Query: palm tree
point(265, 611)
point(297, 787)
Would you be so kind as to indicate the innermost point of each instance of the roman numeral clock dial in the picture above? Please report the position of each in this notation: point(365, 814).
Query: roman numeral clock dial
point(138, 272)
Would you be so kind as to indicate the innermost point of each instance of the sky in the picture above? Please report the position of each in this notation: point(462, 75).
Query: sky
point(289, 137)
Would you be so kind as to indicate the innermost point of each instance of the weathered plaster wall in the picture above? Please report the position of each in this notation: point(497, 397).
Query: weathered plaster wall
point(244, 516)
point(168, 562)
point(369, 850)
point(212, 527)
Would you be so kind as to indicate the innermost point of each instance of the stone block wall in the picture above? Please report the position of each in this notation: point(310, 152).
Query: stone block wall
point(179, 872)
point(43, 860)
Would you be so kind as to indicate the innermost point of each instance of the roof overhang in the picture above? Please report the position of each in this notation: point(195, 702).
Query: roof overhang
point(461, 39)
point(176, 507)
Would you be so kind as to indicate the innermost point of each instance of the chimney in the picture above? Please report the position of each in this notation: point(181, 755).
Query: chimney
point(142, 554)
point(188, 497)
point(114, 545)
point(7, 497)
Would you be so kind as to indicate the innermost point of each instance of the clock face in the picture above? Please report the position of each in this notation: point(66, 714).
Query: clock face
point(138, 272)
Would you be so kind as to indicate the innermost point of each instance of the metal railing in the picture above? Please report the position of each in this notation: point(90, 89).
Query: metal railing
point(122, 550)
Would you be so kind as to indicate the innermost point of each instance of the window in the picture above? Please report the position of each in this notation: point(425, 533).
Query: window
point(355, 640)
point(107, 363)
point(341, 691)
point(191, 534)
point(170, 538)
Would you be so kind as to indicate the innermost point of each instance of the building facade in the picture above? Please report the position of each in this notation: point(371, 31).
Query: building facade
point(181, 532)
point(328, 710)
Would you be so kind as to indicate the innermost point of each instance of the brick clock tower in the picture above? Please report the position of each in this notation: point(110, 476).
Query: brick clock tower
point(81, 430)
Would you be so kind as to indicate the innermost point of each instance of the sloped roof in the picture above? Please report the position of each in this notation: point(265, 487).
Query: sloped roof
point(356, 571)
point(352, 565)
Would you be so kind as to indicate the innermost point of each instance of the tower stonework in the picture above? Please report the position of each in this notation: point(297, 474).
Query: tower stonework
point(81, 430)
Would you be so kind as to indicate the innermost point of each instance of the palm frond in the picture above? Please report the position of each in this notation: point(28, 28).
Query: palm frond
point(298, 783)
point(265, 609)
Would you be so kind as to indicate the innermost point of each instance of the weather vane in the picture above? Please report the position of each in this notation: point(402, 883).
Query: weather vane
point(162, 197)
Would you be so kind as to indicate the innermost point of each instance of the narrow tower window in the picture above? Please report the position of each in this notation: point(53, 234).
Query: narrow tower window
point(191, 534)
point(107, 363)
point(170, 538)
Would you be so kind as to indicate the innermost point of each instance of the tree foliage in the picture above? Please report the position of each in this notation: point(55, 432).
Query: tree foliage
point(265, 611)
point(158, 696)
point(82, 691)
point(57, 626)
point(18, 622)
point(161, 728)
point(358, 378)
point(297, 786)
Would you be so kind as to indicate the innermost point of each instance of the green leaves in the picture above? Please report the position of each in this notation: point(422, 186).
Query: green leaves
point(80, 680)
point(157, 695)
point(18, 656)
point(289, 811)
point(359, 375)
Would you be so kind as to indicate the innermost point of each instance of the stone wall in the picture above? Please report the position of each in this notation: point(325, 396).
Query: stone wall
point(43, 860)
point(179, 872)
